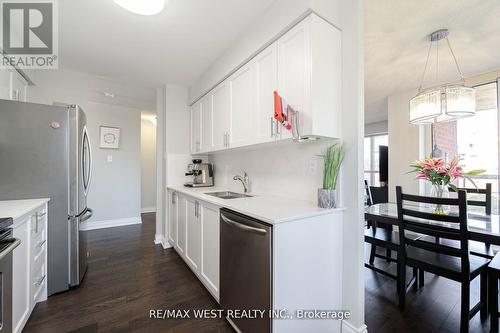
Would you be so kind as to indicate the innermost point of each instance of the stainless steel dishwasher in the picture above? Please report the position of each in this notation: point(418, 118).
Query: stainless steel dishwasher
point(246, 269)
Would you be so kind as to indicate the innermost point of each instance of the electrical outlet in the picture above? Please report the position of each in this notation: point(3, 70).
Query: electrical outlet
point(312, 166)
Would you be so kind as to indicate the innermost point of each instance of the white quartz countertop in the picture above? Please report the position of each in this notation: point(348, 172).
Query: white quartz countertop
point(17, 208)
point(267, 208)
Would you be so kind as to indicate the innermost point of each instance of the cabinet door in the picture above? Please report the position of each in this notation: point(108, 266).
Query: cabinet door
point(172, 218)
point(294, 77)
point(206, 124)
point(242, 87)
point(221, 115)
point(266, 75)
point(196, 128)
point(210, 248)
point(193, 231)
point(181, 225)
point(21, 276)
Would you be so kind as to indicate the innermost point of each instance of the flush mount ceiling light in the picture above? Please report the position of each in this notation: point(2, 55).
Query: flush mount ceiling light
point(446, 102)
point(142, 7)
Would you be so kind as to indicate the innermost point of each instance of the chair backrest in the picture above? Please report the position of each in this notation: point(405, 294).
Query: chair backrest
point(379, 194)
point(487, 197)
point(369, 199)
point(414, 217)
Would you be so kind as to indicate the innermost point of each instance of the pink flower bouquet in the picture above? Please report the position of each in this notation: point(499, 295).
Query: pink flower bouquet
point(441, 173)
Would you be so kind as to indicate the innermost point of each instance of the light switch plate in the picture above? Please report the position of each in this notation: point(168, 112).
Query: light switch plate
point(110, 158)
point(312, 166)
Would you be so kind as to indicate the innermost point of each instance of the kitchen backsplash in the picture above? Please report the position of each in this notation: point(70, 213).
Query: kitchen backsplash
point(287, 170)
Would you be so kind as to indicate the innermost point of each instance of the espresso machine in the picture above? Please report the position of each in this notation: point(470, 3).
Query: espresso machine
point(203, 174)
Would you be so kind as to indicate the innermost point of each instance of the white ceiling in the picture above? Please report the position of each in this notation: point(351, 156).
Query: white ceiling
point(176, 46)
point(396, 44)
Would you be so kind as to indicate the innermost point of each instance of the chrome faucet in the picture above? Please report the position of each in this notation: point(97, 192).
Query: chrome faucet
point(244, 180)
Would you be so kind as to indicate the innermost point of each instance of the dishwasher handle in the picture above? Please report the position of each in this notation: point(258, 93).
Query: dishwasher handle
point(242, 226)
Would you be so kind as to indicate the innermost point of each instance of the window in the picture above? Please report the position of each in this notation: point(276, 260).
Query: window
point(475, 139)
point(372, 144)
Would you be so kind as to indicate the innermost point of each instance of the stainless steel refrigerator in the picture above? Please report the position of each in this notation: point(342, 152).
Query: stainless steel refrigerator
point(45, 151)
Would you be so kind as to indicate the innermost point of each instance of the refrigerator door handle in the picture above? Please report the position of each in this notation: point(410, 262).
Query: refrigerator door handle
point(87, 174)
point(86, 215)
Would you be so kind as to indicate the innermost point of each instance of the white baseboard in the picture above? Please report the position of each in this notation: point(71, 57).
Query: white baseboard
point(349, 328)
point(148, 210)
point(160, 240)
point(110, 223)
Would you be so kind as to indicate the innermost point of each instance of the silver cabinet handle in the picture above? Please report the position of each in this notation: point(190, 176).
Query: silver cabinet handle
point(272, 127)
point(173, 198)
point(228, 138)
point(242, 226)
point(40, 280)
point(41, 243)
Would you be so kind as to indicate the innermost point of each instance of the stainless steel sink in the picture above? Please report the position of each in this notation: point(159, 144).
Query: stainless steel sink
point(228, 195)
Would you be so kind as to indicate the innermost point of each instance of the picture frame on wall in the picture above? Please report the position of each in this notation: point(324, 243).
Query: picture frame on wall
point(109, 137)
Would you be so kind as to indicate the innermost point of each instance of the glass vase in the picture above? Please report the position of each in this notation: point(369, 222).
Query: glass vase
point(440, 191)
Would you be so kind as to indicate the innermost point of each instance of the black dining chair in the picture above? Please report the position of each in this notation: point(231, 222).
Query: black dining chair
point(385, 238)
point(453, 263)
point(484, 192)
point(476, 248)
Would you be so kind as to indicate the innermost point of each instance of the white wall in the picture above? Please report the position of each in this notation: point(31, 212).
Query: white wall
point(404, 145)
point(379, 127)
point(174, 133)
point(269, 24)
point(148, 166)
point(115, 192)
point(115, 188)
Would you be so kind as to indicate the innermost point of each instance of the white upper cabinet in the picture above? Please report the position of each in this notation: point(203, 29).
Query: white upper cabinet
point(5, 84)
point(206, 124)
point(304, 66)
point(18, 87)
point(309, 76)
point(242, 88)
point(196, 128)
point(221, 104)
point(266, 82)
point(12, 85)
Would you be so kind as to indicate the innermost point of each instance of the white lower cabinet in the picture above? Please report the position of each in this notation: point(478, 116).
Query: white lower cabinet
point(21, 275)
point(193, 233)
point(210, 247)
point(180, 245)
point(197, 230)
point(172, 218)
point(29, 265)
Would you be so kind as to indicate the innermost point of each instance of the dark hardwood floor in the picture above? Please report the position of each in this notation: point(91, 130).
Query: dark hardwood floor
point(434, 308)
point(127, 276)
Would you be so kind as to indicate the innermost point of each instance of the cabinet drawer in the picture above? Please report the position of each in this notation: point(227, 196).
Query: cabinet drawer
point(38, 252)
point(38, 224)
point(38, 278)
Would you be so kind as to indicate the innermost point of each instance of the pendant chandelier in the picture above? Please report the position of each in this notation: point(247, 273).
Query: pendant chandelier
point(446, 102)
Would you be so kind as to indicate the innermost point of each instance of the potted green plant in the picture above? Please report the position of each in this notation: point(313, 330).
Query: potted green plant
point(333, 158)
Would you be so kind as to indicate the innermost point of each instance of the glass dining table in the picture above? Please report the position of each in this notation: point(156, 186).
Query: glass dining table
point(481, 227)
